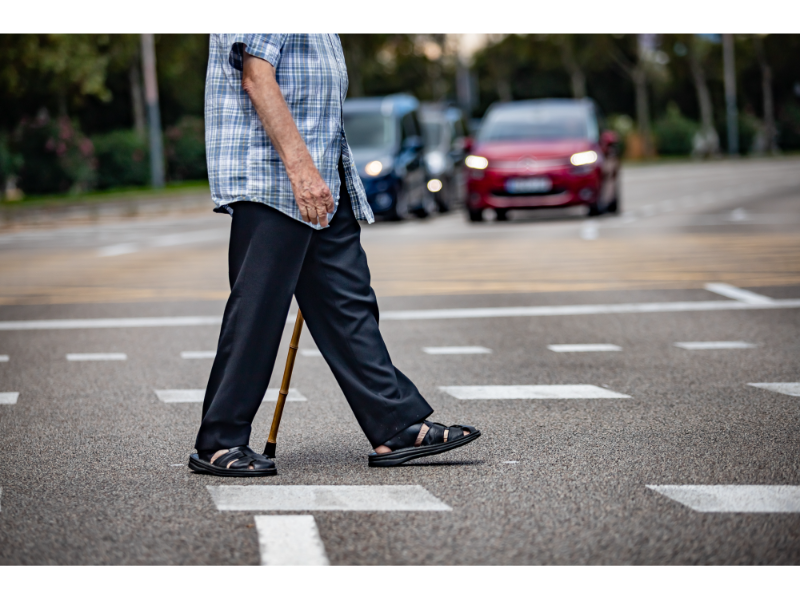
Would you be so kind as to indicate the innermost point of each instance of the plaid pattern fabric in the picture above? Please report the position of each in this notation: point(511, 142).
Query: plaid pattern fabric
point(242, 162)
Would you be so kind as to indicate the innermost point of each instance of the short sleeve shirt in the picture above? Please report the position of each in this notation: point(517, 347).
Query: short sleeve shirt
point(243, 165)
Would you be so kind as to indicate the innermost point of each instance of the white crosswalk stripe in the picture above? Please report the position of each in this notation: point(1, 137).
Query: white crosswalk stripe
point(584, 348)
point(93, 356)
point(734, 498)
point(193, 354)
point(9, 397)
point(325, 497)
point(790, 389)
point(456, 350)
point(290, 540)
point(714, 345)
point(528, 392)
point(175, 396)
point(3, 357)
point(311, 353)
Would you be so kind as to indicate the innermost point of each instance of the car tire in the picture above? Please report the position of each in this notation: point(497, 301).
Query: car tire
point(613, 206)
point(399, 210)
point(476, 215)
point(594, 210)
point(502, 214)
point(428, 206)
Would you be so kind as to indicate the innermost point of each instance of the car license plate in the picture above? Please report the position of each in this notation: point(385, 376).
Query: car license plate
point(529, 185)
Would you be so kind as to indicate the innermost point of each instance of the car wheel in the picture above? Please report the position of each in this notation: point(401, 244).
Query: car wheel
point(399, 211)
point(475, 216)
point(594, 210)
point(613, 206)
point(502, 214)
point(428, 206)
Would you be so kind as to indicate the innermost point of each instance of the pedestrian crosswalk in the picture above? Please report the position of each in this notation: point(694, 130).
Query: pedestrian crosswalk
point(176, 396)
point(290, 540)
point(584, 348)
point(529, 392)
point(790, 389)
point(92, 356)
point(734, 498)
point(714, 345)
point(279, 498)
point(456, 350)
point(9, 397)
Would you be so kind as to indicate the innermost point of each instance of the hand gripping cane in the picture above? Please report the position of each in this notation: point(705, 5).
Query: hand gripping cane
point(272, 440)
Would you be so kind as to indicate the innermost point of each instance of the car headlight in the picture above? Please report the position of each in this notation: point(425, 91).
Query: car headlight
point(476, 162)
point(583, 158)
point(435, 162)
point(374, 168)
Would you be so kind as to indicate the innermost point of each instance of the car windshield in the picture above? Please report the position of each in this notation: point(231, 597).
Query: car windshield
point(435, 133)
point(369, 130)
point(539, 122)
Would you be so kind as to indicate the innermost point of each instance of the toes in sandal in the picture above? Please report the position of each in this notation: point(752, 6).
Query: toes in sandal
point(240, 461)
point(423, 439)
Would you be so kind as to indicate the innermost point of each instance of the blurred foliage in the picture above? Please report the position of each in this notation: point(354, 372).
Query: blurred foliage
point(55, 155)
point(87, 82)
point(186, 150)
point(122, 159)
point(675, 133)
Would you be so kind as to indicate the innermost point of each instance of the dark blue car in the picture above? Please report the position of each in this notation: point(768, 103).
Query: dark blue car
point(386, 139)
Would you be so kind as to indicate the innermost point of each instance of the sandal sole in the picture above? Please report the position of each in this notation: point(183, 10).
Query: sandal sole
point(398, 457)
point(201, 466)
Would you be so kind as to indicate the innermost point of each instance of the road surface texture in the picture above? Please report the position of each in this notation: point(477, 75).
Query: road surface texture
point(609, 363)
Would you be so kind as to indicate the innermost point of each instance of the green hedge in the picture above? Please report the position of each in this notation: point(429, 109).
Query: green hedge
point(674, 133)
point(185, 149)
point(123, 159)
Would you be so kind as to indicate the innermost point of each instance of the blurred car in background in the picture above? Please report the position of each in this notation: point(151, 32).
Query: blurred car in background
point(542, 153)
point(445, 135)
point(388, 146)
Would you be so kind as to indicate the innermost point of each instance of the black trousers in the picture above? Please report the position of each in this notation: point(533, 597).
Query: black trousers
point(271, 257)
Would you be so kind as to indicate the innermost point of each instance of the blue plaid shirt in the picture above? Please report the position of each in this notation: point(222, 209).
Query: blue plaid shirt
point(242, 162)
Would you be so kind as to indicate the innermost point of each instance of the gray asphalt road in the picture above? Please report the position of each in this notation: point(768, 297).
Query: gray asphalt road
point(92, 463)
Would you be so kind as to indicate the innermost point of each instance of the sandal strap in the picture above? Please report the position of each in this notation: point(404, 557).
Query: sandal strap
point(422, 433)
point(241, 457)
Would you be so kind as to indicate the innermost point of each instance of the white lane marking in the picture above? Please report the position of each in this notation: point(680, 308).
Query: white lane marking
point(589, 231)
point(739, 214)
point(3, 357)
point(584, 348)
point(1, 497)
point(729, 291)
point(190, 354)
point(290, 540)
point(325, 497)
point(9, 397)
point(178, 465)
point(311, 353)
point(163, 241)
point(418, 315)
point(173, 396)
point(456, 350)
point(790, 389)
point(510, 462)
point(580, 309)
point(98, 356)
point(108, 323)
point(118, 249)
point(528, 392)
point(734, 498)
point(714, 345)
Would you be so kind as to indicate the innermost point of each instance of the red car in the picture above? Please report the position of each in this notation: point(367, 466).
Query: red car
point(541, 154)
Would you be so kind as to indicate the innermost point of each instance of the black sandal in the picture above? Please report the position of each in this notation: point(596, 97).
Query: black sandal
point(240, 461)
point(423, 439)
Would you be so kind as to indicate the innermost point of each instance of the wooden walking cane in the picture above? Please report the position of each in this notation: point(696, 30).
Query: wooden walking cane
point(272, 440)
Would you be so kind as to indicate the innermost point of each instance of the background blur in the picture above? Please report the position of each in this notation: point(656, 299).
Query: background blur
point(73, 114)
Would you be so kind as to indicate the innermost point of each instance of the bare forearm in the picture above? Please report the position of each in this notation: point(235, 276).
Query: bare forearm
point(311, 193)
point(267, 99)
